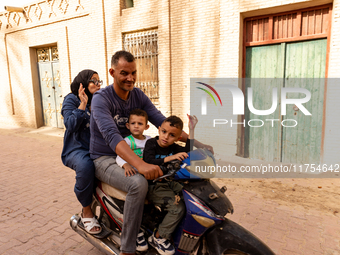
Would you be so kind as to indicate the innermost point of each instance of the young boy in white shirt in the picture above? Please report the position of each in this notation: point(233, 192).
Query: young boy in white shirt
point(137, 123)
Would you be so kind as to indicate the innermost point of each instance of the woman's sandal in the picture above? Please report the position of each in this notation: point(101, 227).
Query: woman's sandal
point(90, 223)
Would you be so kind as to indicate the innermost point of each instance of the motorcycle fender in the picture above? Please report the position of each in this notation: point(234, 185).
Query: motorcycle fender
point(230, 236)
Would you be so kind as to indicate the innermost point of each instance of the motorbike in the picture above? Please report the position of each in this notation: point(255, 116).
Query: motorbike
point(204, 229)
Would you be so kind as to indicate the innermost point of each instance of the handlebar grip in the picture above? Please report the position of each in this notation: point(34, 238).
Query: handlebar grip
point(164, 169)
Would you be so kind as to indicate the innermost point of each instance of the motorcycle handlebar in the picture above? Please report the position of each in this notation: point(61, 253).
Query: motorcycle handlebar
point(169, 169)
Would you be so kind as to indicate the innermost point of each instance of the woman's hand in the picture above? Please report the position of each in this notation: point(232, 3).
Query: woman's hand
point(83, 97)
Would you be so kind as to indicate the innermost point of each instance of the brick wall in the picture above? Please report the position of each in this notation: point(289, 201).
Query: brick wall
point(143, 16)
point(78, 32)
point(195, 38)
point(5, 93)
point(205, 44)
point(206, 41)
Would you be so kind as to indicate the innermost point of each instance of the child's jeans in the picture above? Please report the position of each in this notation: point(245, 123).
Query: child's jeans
point(163, 195)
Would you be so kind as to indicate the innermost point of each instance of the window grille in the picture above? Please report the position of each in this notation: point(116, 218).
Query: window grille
point(48, 54)
point(144, 46)
point(55, 53)
point(43, 54)
point(124, 4)
point(128, 3)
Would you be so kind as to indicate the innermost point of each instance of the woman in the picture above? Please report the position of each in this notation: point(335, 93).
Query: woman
point(76, 112)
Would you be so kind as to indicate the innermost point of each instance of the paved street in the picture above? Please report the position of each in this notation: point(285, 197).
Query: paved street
point(37, 201)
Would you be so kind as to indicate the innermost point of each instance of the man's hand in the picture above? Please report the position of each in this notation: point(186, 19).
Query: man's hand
point(180, 156)
point(149, 171)
point(129, 170)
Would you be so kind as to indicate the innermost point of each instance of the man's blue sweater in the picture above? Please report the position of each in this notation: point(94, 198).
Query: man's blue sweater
point(109, 114)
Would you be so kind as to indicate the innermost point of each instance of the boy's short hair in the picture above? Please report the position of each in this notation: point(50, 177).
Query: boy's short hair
point(139, 112)
point(174, 122)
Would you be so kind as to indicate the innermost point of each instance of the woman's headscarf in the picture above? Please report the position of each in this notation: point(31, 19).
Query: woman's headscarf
point(83, 77)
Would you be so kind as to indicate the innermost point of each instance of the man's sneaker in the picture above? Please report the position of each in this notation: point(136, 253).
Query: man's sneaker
point(162, 245)
point(141, 244)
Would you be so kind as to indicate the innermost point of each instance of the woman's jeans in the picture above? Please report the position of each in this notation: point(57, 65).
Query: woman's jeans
point(81, 162)
point(136, 187)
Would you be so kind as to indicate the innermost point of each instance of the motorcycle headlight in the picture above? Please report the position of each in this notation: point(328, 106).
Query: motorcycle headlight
point(204, 221)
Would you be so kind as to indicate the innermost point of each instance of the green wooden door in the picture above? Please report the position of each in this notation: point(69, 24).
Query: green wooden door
point(300, 144)
point(263, 62)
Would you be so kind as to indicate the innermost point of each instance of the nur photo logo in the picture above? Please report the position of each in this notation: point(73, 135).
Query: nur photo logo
point(278, 100)
point(204, 98)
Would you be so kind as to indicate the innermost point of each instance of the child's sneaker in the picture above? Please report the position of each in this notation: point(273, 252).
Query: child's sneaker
point(162, 245)
point(141, 244)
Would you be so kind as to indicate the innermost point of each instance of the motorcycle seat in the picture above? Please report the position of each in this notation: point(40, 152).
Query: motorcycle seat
point(114, 192)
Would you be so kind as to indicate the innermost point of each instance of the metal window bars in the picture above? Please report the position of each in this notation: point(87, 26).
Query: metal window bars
point(144, 46)
point(48, 54)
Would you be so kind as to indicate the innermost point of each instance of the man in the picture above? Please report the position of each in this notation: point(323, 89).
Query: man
point(110, 110)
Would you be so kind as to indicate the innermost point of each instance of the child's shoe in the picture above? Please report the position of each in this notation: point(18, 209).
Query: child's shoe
point(141, 244)
point(162, 245)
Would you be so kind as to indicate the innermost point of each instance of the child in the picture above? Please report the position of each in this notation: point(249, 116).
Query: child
point(137, 123)
point(157, 151)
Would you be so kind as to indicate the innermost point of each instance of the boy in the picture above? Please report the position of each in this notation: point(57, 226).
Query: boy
point(157, 151)
point(137, 123)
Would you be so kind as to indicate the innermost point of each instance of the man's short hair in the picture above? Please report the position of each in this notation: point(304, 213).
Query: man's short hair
point(121, 54)
point(139, 112)
point(174, 122)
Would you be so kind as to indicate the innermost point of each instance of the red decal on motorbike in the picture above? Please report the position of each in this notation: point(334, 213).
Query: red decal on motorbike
point(107, 211)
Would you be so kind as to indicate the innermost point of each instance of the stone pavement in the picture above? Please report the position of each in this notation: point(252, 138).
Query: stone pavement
point(37, 201)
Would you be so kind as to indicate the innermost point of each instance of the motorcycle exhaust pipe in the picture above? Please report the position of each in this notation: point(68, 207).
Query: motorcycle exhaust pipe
point(104, 245)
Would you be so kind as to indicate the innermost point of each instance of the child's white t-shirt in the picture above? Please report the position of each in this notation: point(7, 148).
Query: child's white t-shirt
point(139, 144)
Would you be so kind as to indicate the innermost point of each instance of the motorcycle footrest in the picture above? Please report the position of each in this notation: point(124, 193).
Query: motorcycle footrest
point(105, 231)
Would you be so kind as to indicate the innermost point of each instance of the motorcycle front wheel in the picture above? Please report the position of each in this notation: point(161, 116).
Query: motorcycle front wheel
point(202, 250)
point(233, 252)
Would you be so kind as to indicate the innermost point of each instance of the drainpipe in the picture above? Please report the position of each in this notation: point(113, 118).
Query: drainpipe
point(170, 57)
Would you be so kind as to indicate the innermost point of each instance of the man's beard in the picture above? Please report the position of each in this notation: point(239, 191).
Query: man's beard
point(125, 89)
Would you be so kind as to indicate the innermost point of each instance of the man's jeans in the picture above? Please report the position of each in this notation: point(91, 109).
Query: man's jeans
point(136, 186)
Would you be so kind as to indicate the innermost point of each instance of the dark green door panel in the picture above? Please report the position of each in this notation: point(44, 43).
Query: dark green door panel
point(286, 62)
point(302, 143)
point(264, 62)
